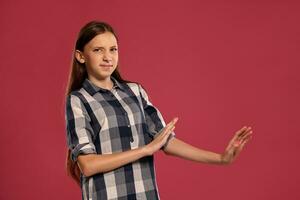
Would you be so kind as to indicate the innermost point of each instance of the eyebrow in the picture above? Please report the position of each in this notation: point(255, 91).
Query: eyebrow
point(104, 47)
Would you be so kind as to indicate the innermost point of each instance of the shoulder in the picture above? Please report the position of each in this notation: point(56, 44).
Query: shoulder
point(133, 87)
point(73, 99)
point(137, 85)
point(81, 94)
point(73, 95)
point(132, 84)
point(77, 97)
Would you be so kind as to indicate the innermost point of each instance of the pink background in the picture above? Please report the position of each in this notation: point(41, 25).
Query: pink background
point(217, 66)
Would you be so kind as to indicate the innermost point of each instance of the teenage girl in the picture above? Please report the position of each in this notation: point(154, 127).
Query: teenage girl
point(113, 129)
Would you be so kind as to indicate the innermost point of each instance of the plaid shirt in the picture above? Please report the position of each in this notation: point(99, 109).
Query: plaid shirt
point(105, 121)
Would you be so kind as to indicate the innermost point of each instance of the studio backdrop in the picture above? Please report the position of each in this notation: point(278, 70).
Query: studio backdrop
point(216, 65)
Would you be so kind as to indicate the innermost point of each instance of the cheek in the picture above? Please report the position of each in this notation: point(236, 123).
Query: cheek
point(116, 58)
point(94, 58)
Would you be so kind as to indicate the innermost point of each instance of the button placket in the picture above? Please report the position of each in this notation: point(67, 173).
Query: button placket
point(128, 125)
point(125, 116)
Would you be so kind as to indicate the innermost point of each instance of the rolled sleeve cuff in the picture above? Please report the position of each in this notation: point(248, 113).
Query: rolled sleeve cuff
point(86, 148)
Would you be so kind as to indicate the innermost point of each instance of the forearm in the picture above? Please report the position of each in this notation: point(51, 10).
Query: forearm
point(186, 151)
point(94, 163)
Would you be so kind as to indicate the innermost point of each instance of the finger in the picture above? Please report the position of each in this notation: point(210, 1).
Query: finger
point(237, 134)
point(249, 134)
point(163, 131)
point(246, 131)
point(169, 125)
point(239, 141)
point(245, 136)
point(234, 142)
point(245, 140)
point(239, 146)
point(167, 130)
point(172, 129)
point(242, 133)
point(173, 122)
point(167, 134)
point(243, 144)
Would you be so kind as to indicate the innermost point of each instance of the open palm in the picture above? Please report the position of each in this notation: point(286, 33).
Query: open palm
point(236, 144)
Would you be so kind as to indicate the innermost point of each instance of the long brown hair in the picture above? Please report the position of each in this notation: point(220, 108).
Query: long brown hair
point(78, 74)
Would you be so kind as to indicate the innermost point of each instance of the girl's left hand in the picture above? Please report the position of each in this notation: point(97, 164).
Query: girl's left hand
point(236, 145)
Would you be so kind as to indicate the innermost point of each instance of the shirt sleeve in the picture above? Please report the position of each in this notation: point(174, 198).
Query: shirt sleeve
point(79, 130)
point(154, 118)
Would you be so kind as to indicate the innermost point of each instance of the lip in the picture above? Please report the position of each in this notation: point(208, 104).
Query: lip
point(105, 65)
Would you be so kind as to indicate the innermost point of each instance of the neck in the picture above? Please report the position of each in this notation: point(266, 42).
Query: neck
point(105, 83)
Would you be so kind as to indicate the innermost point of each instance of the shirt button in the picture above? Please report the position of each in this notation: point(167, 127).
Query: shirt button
point(128, 125)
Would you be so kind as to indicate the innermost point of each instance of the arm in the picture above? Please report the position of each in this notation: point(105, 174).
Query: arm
point(183, 150)
point(94, 163)
point(174, 146)
point(186, 151)
point(153, 117)
point(83, 151)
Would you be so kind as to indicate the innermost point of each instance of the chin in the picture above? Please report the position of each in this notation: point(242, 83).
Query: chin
point(104, 75)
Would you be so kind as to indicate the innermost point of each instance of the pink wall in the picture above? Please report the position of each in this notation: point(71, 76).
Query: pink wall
point(218, 66)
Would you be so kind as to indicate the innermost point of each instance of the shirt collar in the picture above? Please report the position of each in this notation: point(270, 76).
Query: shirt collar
point(91, 88)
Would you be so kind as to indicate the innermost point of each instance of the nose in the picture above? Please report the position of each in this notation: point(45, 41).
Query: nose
point(107, 56)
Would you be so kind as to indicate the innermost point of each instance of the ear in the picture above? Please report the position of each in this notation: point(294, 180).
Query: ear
point(79, 56)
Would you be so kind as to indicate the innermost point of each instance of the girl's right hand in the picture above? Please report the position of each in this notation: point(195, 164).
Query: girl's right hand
point(162, 137)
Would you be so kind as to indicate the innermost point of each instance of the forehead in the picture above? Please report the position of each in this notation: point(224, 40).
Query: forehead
point(106, 39)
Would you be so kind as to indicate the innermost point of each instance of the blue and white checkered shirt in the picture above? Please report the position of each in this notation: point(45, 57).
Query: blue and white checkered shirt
point(103, 121)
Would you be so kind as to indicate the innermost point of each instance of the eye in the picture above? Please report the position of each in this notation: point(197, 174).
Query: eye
point(114, 49)
point(97, 50)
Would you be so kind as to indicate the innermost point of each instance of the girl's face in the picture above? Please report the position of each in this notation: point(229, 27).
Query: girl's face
point(100, 56)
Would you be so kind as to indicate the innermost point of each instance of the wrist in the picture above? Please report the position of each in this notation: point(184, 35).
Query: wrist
point(223, 160)
point(145, 151)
